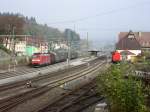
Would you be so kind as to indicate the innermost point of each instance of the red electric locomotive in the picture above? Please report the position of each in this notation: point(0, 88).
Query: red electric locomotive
point(116, 57)
point(39, 59)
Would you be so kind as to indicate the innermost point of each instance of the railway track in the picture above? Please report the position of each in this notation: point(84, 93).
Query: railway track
point(27, 69)
point(50, 75)
point(40, 77)
point(10, 102)
point(76, 100)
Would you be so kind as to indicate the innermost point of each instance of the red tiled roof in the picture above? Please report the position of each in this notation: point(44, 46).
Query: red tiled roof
point(126, 43)
point(142, 37)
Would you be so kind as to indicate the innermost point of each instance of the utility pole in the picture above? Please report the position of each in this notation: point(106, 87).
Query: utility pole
point(69, 46)
point(13, 32)
point(87, 42)
point(13, 51)
point(74, 27)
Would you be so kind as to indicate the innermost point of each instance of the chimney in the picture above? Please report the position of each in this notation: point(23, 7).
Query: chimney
point(140, 34)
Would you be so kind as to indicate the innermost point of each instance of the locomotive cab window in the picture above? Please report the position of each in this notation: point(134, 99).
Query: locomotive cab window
point(35, 56)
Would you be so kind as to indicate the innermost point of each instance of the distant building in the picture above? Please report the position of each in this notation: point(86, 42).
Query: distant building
point(128, 45)
point(28, 45)
point(32, 45)
point(25, 45)
point(60, 45)
point(20, 48)
point(43, 47)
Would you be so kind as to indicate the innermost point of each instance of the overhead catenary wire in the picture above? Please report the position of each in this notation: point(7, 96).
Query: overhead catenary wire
point(102, 13)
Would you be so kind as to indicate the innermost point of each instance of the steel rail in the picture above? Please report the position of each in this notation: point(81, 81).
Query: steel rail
point(11, 102)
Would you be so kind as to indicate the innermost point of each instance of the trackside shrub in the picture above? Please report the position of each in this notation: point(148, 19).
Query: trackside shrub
point(123, 94)
point(5, 49)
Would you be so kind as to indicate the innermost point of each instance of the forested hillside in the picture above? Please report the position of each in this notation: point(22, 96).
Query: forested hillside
point(19, 24)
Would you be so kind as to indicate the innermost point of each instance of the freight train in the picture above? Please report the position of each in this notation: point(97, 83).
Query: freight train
point(116, 57)
point(41, 59)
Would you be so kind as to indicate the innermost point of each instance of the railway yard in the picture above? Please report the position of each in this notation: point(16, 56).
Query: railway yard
point(74, 56)
point(46, 89)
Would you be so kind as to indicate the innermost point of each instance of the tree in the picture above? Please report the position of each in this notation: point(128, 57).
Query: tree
point(28, 26)
point(71, 35)
point(123, 95)
point(10, 24)
point(9, 21)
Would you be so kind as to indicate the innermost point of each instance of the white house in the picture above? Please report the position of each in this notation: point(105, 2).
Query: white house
point(20, 47)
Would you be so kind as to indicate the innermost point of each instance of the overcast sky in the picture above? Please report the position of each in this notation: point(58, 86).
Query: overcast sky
point(102, 19)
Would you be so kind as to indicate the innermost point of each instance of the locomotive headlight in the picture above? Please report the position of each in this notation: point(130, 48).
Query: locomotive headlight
point(35, 60)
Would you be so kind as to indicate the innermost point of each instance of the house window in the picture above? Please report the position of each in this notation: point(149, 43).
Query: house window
point(131, 36)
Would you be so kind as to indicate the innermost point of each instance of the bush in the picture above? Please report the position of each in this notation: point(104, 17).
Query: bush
point(123, 95)
point(5, 49)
